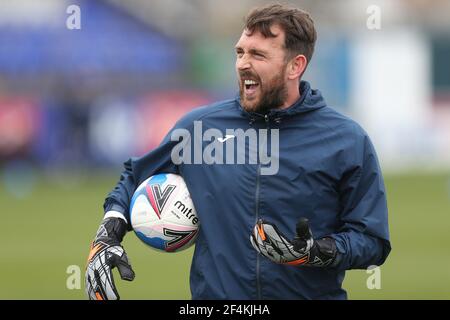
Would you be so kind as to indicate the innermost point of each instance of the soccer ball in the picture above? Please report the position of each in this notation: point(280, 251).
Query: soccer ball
point(163, 215)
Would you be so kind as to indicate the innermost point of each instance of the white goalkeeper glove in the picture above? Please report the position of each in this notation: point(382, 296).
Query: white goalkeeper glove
point(303, 250)
point(107, 253)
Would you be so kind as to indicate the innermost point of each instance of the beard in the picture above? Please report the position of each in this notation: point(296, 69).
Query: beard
point(273, 94)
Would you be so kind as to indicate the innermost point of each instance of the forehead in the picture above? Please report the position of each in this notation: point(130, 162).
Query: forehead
point(256, 40)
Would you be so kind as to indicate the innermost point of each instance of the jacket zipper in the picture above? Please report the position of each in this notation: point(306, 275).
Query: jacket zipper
point(258, 284)
point(258, 183)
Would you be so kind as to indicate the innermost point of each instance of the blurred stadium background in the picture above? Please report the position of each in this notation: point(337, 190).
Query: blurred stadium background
point(75, 104)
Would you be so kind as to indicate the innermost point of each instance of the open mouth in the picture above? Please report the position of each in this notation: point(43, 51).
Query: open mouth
point(250, 87)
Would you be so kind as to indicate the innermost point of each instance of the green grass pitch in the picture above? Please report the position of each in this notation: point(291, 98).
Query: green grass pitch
point(49, 230)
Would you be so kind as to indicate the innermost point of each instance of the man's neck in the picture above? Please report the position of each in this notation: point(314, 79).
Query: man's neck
point(293, 96)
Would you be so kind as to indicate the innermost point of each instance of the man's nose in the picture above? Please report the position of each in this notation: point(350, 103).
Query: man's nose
point(243, 64)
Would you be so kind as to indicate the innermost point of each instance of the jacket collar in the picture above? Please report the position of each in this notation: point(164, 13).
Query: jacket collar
point(309, 100)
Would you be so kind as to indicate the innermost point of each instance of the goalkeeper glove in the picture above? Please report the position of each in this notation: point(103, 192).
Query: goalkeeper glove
point(303, 250)
point(107, 253)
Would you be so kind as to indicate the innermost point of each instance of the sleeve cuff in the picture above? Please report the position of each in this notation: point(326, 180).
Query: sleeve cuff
point(115, 214)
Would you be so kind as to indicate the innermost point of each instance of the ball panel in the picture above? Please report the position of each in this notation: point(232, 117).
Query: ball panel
point(155, 242)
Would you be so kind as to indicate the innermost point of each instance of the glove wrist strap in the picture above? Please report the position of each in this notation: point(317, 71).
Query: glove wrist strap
point(113, 228)
point(324, 252)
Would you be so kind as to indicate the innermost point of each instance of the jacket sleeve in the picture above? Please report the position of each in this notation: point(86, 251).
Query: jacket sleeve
point(138, 170)
point(363, 237)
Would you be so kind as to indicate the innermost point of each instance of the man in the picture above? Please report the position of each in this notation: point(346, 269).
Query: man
point(326, 194)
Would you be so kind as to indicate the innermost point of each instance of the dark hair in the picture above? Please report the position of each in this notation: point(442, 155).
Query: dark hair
point(300, 34)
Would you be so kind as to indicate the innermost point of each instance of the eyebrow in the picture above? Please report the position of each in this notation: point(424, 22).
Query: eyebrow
point(252, 50)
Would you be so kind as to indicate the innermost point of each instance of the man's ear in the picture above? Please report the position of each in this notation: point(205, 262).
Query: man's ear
point(296, 67)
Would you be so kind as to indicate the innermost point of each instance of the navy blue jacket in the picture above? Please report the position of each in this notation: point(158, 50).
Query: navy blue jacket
point(328, 173)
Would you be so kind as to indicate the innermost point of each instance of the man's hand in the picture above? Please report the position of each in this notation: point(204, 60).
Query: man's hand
point(107, 253)
point(303, 250)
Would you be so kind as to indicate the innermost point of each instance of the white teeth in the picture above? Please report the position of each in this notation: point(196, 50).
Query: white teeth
point(250, 82)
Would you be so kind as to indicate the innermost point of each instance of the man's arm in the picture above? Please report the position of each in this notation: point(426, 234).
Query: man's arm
point(363, 238)
point(107, 252)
